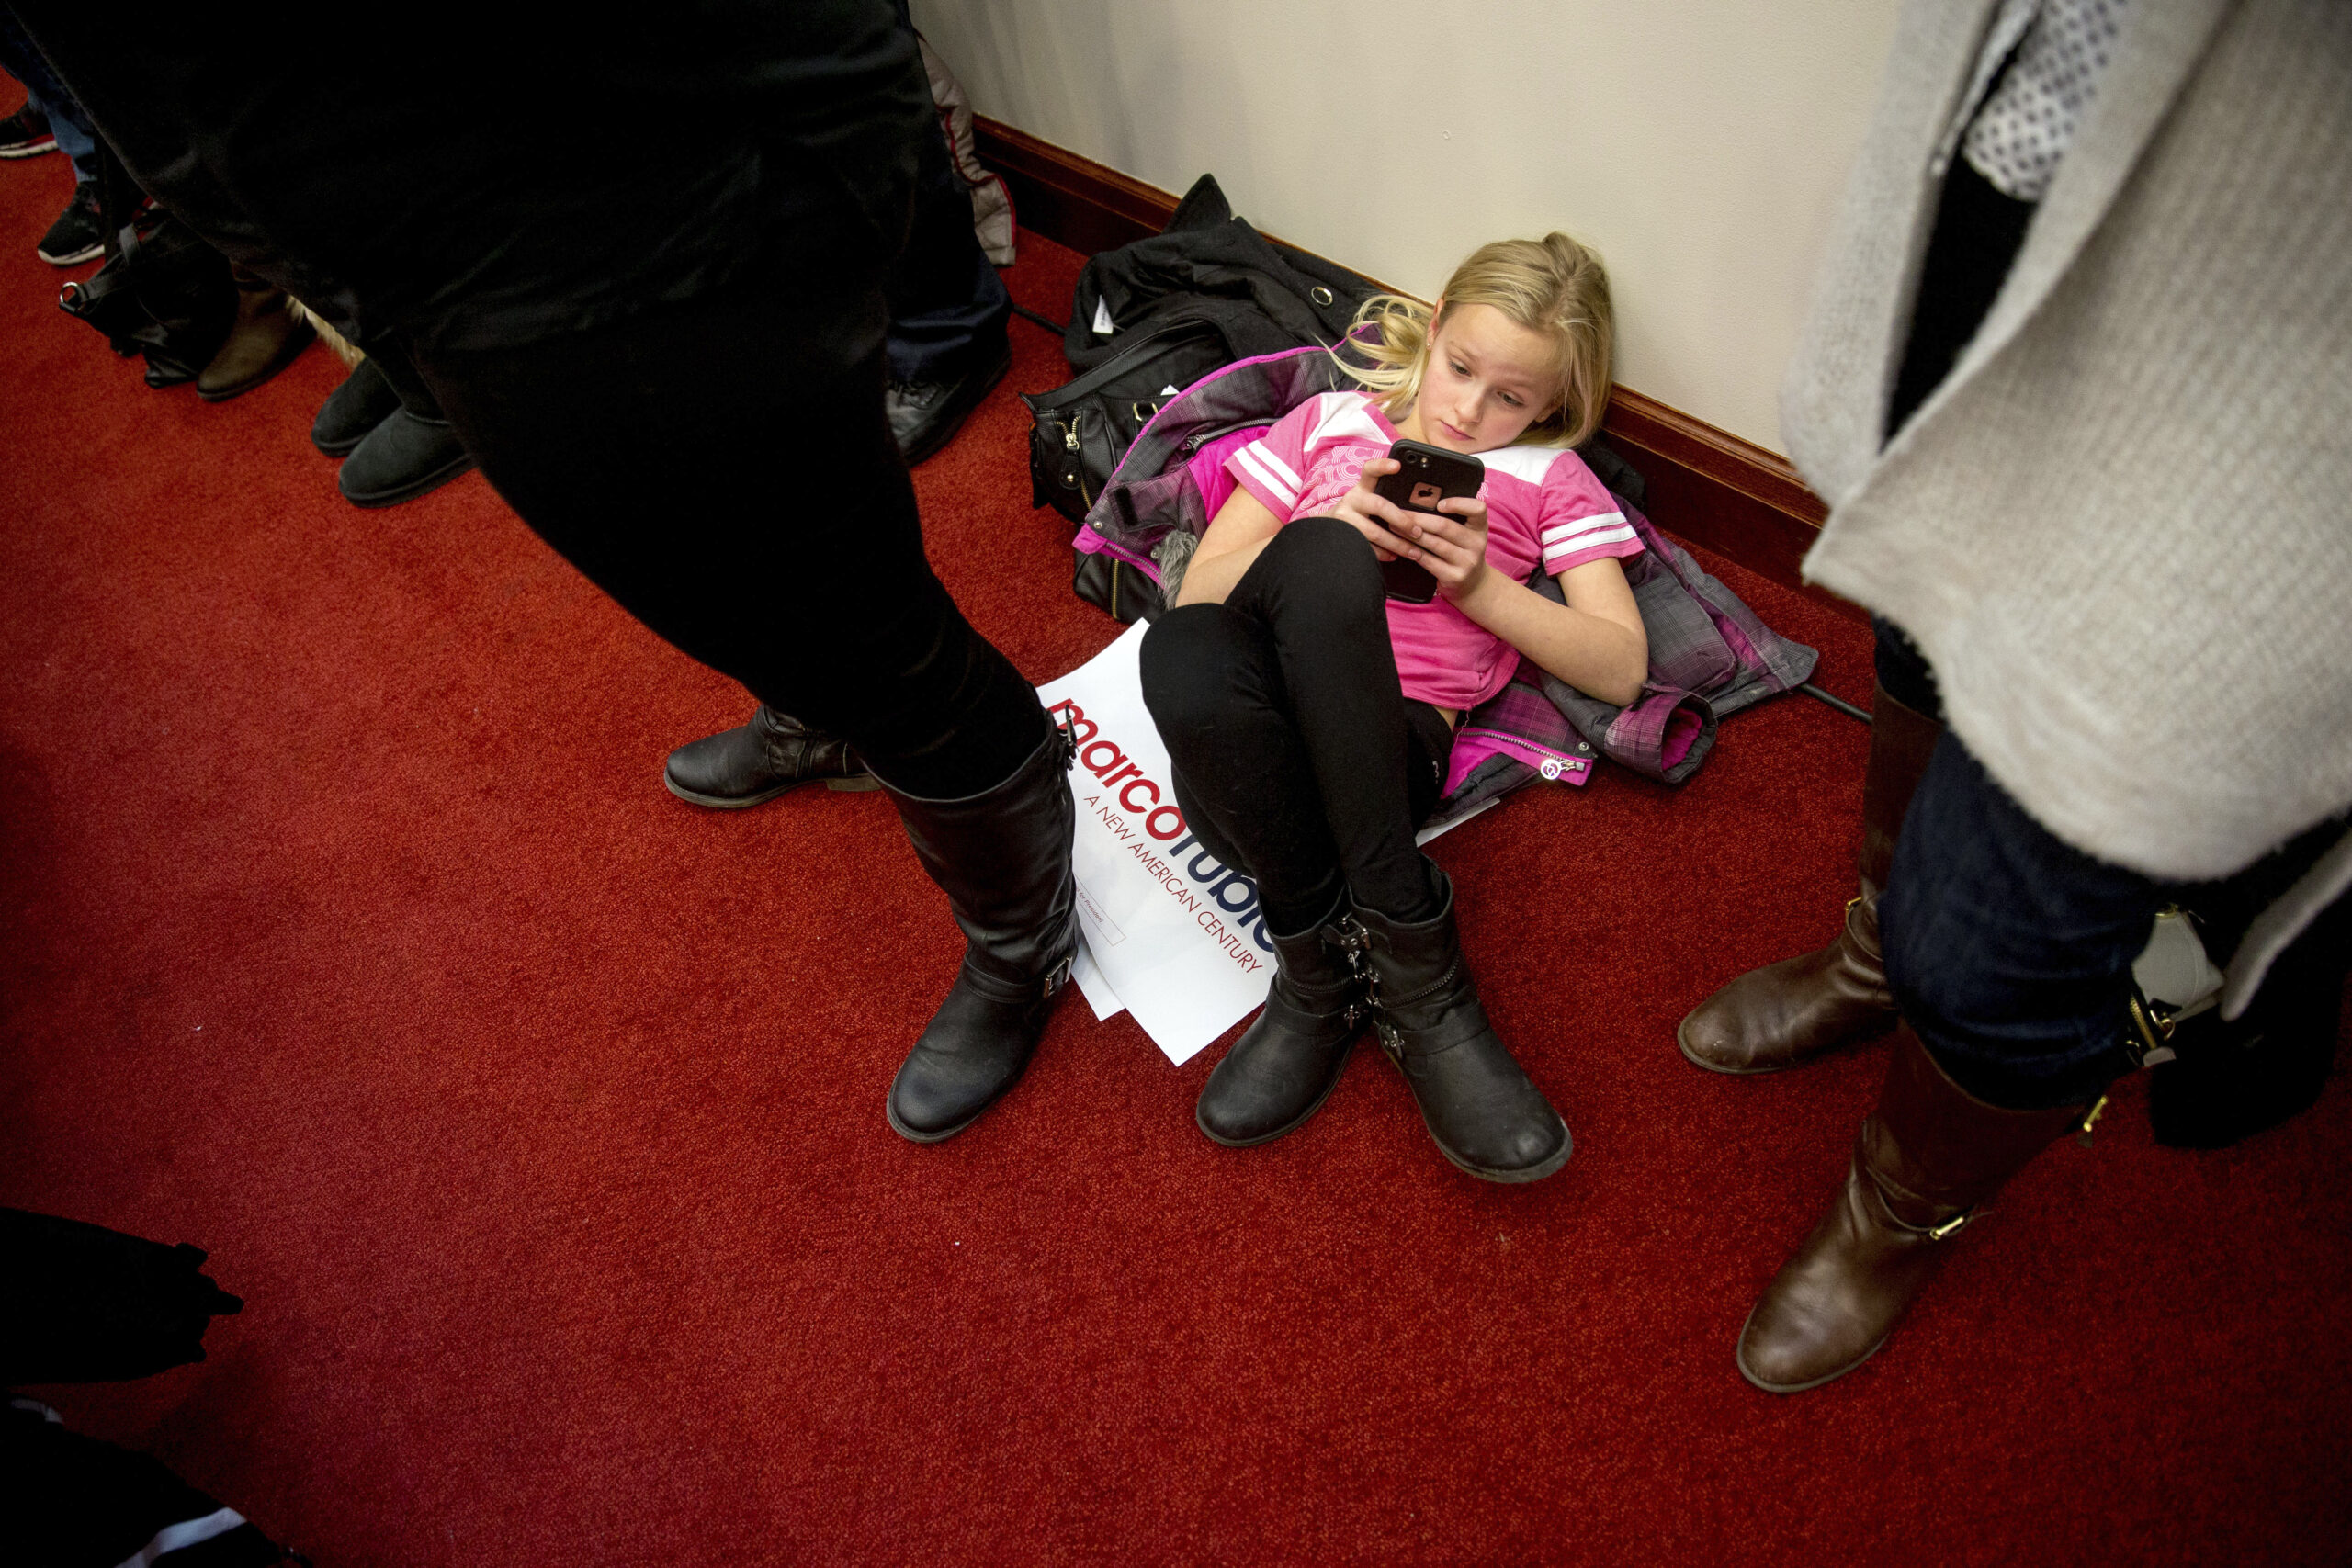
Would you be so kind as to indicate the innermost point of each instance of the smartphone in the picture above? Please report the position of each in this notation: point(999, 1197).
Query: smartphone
point(1425, 476)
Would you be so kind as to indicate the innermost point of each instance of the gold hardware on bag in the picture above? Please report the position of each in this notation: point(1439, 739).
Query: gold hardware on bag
point(2153, 1025)
point(1943, 1231)
point(2090, 1120)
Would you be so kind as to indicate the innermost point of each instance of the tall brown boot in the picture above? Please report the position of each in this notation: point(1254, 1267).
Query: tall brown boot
point(1924, 1162)
point(1790, 1011)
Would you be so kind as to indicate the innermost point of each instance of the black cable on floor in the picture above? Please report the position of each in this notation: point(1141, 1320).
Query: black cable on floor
point(1026, 314)
point(1840, 703)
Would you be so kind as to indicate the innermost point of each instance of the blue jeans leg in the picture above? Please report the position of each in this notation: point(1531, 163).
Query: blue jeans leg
point(948, 307)
point(2009, 952)
point(75, 137)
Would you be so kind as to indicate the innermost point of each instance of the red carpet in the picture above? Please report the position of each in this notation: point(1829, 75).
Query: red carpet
point(537, 1116)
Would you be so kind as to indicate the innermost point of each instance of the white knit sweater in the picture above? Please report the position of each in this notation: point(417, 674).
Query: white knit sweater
point(2122, 530)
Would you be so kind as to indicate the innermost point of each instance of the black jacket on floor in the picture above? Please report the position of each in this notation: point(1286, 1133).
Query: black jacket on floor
point(1208, 266)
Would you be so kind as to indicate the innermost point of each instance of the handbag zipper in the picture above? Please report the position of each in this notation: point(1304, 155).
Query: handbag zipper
point(1076, 462)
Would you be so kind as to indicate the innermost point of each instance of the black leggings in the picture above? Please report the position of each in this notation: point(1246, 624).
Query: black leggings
point(1297, 757)
point(724, 469)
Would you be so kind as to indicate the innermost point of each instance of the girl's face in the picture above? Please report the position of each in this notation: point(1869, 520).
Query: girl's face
point(1486, 380)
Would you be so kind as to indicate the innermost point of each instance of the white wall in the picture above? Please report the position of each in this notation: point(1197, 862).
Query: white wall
point(1700, 145)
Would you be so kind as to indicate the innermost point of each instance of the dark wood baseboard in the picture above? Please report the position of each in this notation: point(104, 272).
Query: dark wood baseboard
point(1706, 485)
point(1071, 200)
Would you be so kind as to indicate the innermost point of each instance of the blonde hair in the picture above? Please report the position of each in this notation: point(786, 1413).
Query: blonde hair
point(1553, 286)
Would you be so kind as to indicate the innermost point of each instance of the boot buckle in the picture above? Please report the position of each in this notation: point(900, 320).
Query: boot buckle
point(1356, 942)
point(1056, 977)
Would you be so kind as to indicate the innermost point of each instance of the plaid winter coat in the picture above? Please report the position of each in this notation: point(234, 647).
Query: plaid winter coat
point(1710, 656)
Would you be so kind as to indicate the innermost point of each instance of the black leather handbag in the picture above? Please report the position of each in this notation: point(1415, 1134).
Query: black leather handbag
point(165, 294)
point(1081, 429)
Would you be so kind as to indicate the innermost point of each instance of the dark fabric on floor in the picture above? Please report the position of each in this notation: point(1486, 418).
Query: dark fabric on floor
point(349, 933)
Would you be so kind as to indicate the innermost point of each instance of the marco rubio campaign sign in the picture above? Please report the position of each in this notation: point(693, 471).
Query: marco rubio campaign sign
point(1170, 933)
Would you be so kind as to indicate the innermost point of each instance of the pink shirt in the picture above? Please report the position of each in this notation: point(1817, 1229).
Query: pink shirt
point(1543, 504)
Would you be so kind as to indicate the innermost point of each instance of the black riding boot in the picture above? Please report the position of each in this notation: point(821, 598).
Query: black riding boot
point(1003, 859)
point(1478, 1104)
point(757, 762)
point(1287, 1063)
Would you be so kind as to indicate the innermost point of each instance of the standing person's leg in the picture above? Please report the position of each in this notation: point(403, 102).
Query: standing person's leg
point(1789, 1013)
point(723, 468)
point(1292, 745)
point(2009, 954)
point(79, 232)
point(410, 448)
point(948, 309)
point(49, 97)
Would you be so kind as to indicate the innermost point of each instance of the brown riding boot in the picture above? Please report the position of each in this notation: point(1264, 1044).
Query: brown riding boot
point(267, 336)
point(1788, 1012)
point(1924, 1162)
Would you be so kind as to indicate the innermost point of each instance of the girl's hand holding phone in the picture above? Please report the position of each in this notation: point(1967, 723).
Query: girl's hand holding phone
point(1451, 548)
point(1375, 517)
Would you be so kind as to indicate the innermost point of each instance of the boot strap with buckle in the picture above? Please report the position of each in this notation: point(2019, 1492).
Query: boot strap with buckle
point(1056, 977)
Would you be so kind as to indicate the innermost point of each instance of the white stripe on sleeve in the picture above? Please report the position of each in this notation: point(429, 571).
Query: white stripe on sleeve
point(1275, 466)
point(1589, 542)
point(188, 1532)
point(1557, 532)
point(1269, 470)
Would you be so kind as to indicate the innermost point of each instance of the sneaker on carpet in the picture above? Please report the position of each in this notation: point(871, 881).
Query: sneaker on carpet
point(26, 134)
point(77, 235)
point(925, 415)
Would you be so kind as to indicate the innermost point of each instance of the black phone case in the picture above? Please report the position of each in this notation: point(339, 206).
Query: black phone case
point(1452, 476)
point(1408, 582)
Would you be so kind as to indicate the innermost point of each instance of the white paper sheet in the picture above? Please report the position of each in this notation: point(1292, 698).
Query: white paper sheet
point(1091, 984)
point(1171, 934)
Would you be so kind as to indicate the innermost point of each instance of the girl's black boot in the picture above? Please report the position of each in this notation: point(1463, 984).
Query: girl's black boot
point(1478, 1104)
point(1287, 1063)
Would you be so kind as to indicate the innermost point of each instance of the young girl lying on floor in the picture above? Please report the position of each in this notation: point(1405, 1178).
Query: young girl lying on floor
point(1309, 719)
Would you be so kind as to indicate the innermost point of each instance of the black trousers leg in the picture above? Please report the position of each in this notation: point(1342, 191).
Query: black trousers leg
point(1296, 755)
point(74, 1502)
point(723, 468)
point(391, 359)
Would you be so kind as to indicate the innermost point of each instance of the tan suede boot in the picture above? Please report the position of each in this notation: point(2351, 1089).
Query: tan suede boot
point(1924, 1162)
point(1788, 1012)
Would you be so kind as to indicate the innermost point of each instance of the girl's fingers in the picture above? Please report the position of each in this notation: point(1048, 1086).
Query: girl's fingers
point(1457, 542)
